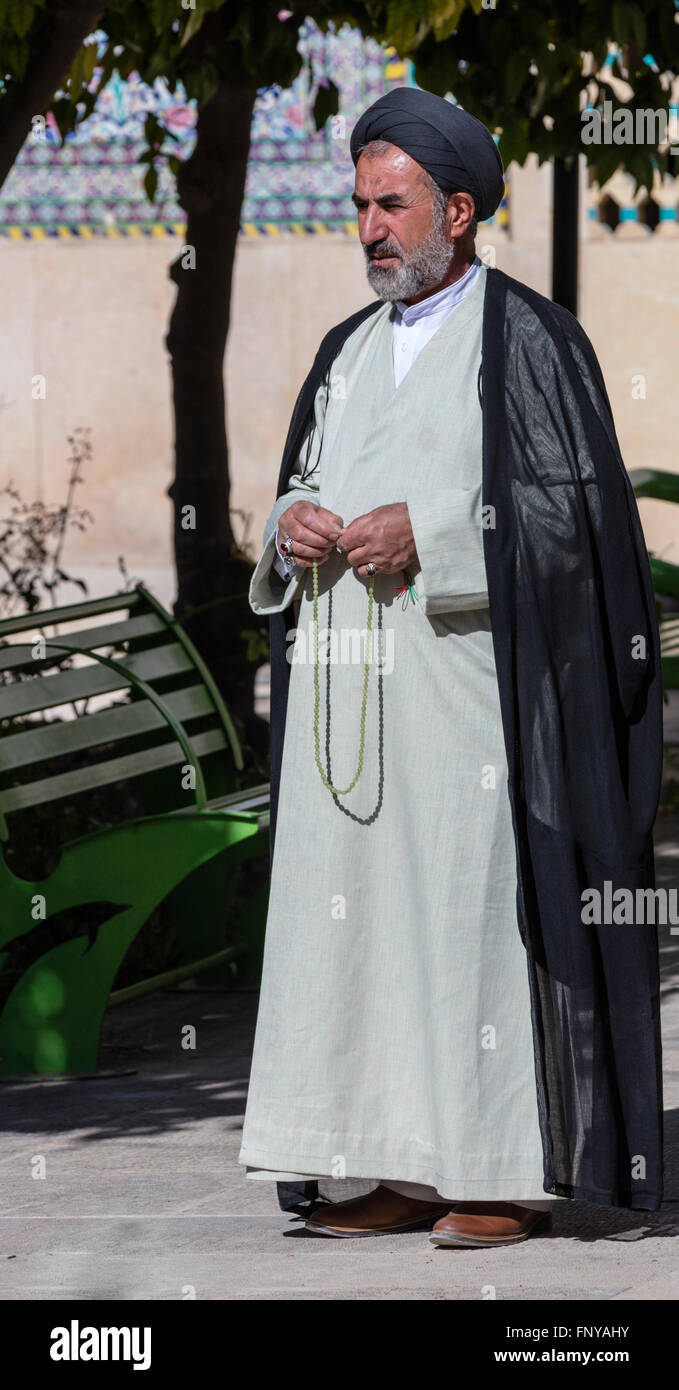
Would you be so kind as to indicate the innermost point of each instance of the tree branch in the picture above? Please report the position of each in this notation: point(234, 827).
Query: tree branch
point(68, 23)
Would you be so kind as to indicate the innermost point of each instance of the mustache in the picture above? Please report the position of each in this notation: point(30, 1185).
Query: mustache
point(377, 248)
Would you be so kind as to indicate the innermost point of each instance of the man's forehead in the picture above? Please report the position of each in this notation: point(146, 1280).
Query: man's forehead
point(391, 170)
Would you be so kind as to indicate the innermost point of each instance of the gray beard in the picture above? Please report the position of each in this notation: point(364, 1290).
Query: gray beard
point(419, 270)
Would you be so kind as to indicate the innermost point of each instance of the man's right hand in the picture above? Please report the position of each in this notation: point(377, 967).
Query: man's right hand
point(314, 532)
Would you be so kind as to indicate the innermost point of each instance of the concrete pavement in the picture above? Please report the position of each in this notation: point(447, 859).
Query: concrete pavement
point(142, 1198)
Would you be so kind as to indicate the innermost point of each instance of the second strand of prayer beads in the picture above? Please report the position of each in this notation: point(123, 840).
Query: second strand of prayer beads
point(339, 791)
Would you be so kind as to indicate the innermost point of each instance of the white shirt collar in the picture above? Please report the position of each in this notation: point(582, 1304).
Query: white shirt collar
point(441, 302)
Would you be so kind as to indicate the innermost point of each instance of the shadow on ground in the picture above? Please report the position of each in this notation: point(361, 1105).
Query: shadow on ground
point(160, 1090)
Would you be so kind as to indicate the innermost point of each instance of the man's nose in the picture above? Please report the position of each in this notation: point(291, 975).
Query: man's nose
point(374, 226)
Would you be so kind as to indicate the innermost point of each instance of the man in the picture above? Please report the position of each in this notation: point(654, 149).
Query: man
point(436, 1017)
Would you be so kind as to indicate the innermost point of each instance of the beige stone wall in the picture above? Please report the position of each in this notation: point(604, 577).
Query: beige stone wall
point(91, 317)
point(630, 297)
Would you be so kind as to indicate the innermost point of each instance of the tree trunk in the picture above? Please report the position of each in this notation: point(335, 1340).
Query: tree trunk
point(565, 228)
point(209, 566)
point(69, 23)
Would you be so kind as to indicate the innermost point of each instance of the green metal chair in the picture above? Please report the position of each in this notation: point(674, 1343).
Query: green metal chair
point(115, 697)
point(664, 486)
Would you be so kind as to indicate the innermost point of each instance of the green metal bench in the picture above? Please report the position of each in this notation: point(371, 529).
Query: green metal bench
point(115, 697)
point(664, 486)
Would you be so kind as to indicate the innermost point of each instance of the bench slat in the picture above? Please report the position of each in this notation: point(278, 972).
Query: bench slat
point(44, 692)
point(93, 637)
point(105, 774)
point(669, 636)
point(106, 726)
point(243, 802)
point(72, 612)
point(256, 796)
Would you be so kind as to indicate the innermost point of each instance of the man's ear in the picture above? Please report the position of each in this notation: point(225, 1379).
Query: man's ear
point(455, 202)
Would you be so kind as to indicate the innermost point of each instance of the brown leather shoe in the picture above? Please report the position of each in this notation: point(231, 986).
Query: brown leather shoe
point(488, 1223)
point(380, 1213)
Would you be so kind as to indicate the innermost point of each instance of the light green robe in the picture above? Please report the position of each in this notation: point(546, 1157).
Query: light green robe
point(394, 1030)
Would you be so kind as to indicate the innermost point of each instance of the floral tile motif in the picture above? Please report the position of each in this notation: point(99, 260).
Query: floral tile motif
point(298, 179)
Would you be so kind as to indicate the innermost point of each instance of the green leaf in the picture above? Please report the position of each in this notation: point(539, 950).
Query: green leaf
point(401, 25)
point(90, 59)
point(196, 18)
point(158, 16)
point(638, 22)
point(628, 22)
point(618, 20)
point(325, 105)
point(21, 16)
point(206, 82)
point(150, 183)
point(515, 142)
point(639, 164)
point(604, 160)
point(15, 56)
point(257, 644)
point(445, 21)
point(77, 72)
point(516, 71)
point(152, 128)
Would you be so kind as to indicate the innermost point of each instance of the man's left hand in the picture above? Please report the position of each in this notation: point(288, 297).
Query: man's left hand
point(383, 537)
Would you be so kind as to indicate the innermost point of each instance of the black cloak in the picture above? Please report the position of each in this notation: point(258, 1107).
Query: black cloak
point(577, 652)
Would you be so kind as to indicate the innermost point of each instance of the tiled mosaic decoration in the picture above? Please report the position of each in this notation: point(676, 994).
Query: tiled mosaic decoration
point(299, 180)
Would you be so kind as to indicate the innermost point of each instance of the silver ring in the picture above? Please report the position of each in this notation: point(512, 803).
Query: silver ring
point(286, 545)
point(370, 568)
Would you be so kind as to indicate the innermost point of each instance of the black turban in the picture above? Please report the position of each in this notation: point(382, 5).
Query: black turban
point(456, 149)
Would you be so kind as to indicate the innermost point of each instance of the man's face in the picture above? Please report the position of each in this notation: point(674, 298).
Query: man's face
point(402, 231)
